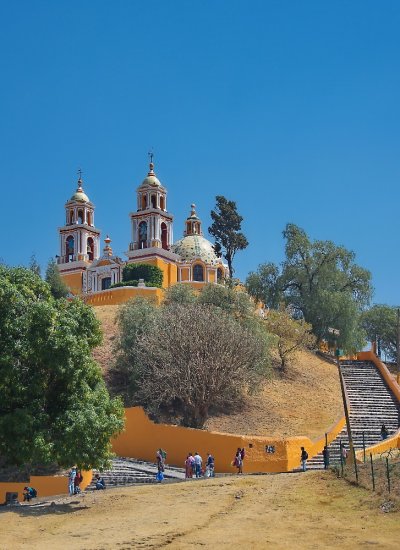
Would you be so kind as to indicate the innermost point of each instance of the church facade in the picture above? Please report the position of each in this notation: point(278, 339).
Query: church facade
point(91, 273)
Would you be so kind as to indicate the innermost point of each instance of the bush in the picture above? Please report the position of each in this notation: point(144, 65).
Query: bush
point(149, 273)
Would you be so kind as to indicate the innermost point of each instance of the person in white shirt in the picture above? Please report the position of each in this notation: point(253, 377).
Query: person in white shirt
point(198, 461)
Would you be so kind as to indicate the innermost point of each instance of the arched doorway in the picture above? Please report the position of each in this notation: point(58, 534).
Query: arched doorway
point(69, 249)
point(142, 235)
point(164, 236)
point(90, 249)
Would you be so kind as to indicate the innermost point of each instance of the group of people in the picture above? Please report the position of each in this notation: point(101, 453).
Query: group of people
point(194, 466)
point(75, 478)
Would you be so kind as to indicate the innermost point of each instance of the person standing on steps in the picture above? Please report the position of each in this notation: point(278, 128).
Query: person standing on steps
point(384, 432)
point(344, 454)
point(303, 458)
point(325, 454)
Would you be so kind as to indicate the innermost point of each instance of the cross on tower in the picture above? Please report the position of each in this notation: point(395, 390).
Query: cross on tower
point(151, 155)
point(80, 173)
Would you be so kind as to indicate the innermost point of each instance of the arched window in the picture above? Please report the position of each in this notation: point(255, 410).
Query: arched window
point(69, 249)
point(153, 201)
point(220, 274)
point(90, 249)
point(142, 235)
point(162, 203)
point(89, 218)
point(198, 273)
point(71, 217)
point(164, 236)
point(105, 283)
point(144, 201)
point(80, 216)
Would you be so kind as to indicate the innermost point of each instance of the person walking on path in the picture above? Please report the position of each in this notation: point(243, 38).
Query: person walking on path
point(160, 457)
point(325, 454)
point(303, 458)
point(198, 463)
point(238, 462)
point(77, 481)
point(189, 466)
point(210, 465)
point(71, 481)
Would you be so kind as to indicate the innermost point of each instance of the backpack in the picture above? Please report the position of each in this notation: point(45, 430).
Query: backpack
point(33, 493)
point(163, 454)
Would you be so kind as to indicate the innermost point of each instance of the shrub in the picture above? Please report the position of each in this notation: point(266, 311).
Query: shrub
point(149, 273)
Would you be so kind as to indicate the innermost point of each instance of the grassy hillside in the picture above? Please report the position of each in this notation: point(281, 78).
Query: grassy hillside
point(306, 402)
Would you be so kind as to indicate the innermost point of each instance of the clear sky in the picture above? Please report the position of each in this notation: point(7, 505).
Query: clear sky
point(290, 108)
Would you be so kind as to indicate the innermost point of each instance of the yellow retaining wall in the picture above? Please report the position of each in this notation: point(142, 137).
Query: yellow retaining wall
point(122, 294)
point(389, 443)
point(46, 486)
point(142, 438)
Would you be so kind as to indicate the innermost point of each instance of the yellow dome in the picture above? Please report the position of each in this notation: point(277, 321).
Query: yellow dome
point(195, 247)
point(151, 179)
point(79, 194)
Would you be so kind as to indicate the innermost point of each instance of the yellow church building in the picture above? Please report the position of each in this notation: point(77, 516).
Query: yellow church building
point(91, 274)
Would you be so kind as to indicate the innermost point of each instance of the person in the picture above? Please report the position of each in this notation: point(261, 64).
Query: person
point(100, 483)
point(160, 457)
point(210, 467)
point(384, 432)
point(71, 481)
point(303, 458)
point(77, 481)
point(189, 466)
point(198, 461)
point(325, 454)
point(238, 461)
point(344, 454)
point(29, 493)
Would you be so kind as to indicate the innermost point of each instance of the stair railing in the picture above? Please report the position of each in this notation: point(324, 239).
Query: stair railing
point(346, 406)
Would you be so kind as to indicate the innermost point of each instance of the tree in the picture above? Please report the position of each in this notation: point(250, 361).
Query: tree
point(322, 283)
point(34, 265)
point(291, 334)
point(54, 406)
point(57, 286)
point(180, 293)
point(263, 285)
point(380, 323)
point(135, 318)
point(226, 230)
point(231, 300)
point(203, 360)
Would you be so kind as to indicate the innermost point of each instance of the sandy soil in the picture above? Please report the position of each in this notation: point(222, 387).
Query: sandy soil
point(296, 511)
point(305, 402)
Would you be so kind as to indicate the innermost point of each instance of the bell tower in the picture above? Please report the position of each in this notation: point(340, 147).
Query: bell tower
point(79, 239)
point(152, 228)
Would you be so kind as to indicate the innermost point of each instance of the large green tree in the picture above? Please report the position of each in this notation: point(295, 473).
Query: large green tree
point(380, 324)
point(321, 282)
point(225, 229)
point(54, 406)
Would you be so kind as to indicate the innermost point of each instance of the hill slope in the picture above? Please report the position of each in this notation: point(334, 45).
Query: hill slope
point(306, 402)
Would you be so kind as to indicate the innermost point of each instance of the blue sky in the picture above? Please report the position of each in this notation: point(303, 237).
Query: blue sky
point(289, 108)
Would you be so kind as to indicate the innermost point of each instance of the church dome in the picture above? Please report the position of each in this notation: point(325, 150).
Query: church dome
point(79, 194)
point(151, 178)
point(195, 247)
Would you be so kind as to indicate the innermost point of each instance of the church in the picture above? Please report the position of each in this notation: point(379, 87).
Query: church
point(93, 274)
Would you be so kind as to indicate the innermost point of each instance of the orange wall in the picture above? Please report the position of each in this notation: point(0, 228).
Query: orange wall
point(142, 438)
point(73, 281)
point(120, 295)
point(46, 486)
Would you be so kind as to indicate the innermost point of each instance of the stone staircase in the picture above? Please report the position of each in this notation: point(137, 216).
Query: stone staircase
point(371, 405)
point(129, 471)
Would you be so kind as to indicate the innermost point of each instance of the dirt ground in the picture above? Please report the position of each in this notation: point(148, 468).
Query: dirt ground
point(305, 402)
point(314, 510)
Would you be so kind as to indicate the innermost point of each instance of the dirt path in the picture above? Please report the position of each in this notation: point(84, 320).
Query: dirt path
point(312, 510)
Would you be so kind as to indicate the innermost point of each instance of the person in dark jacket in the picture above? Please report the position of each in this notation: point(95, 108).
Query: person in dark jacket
point(303, 458)
point(325, 454)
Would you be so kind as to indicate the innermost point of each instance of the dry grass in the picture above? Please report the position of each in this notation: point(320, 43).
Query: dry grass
point(286, 511)
point(304, 402)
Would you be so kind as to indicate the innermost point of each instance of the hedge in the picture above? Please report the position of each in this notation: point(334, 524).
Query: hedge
point(149, 273)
